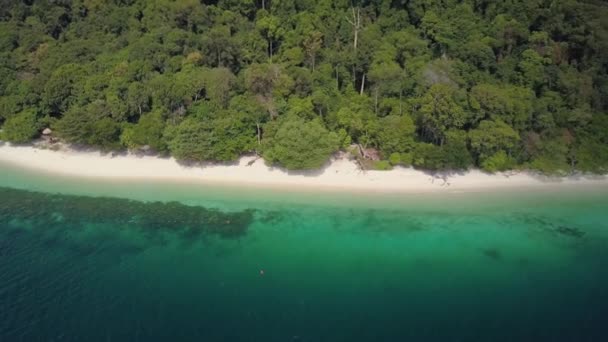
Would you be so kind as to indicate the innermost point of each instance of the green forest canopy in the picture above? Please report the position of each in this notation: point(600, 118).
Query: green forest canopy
point(438, 84)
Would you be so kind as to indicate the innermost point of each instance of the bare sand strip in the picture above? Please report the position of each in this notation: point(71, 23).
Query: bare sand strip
point(339, 174)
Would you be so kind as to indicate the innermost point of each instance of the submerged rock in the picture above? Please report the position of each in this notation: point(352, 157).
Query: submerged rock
point(570, 231)
point(492, 253)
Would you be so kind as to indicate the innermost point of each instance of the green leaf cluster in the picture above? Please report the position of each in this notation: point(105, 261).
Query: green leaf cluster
point(298, 144)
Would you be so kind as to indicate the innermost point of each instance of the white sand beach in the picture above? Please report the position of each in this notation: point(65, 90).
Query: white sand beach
point(339, 174)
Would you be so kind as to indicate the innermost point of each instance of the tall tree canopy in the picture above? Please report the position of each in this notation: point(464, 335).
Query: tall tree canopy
point(441, 84)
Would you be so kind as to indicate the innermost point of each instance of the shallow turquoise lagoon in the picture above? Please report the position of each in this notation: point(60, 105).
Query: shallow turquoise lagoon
point(95, 260)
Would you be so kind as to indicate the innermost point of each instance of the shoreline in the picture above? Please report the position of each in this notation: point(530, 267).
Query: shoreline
point(340, 174)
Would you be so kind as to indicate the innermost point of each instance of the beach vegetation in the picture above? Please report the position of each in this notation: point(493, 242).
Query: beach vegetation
point(382, 165)
point(223, 138)
point(395, 158)
point(20, 128)
point(147, 133)
point(449, 84)
point(499, 161)
point(298, 144)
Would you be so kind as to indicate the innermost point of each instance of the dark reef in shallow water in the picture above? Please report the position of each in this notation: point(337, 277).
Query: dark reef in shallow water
point(492, 253)
point(192, 221)
point(570, 231)
point(550, 226)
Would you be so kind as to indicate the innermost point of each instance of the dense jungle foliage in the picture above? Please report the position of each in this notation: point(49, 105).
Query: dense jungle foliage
point(437, 84)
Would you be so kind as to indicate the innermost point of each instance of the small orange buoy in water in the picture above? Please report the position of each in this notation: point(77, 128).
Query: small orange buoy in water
point(261, 272)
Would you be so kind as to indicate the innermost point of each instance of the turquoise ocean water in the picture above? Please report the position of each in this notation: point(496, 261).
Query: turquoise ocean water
point(95, 260)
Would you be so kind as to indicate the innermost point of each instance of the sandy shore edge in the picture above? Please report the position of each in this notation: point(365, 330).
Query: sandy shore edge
point(339, 174)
